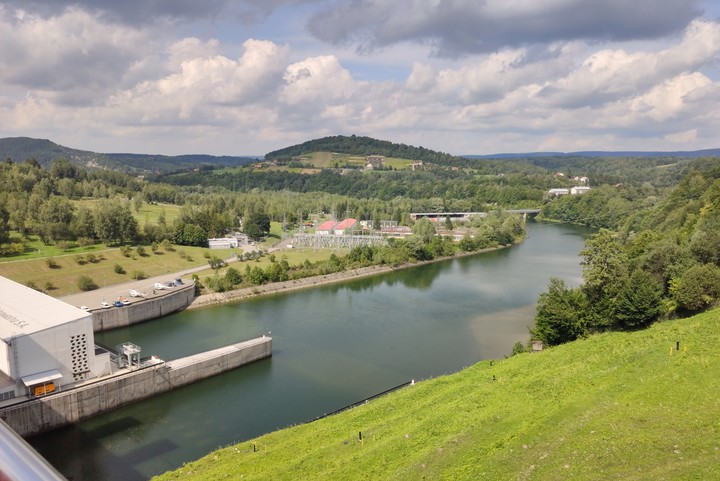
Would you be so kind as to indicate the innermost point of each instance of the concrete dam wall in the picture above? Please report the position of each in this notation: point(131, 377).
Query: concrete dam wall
point(62, 408)
point(143, 310)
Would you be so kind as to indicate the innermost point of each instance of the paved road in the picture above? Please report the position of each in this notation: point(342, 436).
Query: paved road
point(92, 299)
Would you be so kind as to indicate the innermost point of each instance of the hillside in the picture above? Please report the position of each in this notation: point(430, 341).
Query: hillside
point(613, 406)
point(44, 152)
point(362, 146)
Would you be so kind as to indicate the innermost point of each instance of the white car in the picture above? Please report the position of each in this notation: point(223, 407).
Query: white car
point(105, 305)
point(160, 287)
point(134, 293)
point(85, 308)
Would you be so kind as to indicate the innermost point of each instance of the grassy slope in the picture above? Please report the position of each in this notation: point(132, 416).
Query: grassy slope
point(614, 406)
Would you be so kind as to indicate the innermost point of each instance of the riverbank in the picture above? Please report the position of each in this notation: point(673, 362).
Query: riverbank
point(216, 298)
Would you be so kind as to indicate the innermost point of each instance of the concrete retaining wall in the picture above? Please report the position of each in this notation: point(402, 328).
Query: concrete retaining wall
point(143, 310)
point(59, 409)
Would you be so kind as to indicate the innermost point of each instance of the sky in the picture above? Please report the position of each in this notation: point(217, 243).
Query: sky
point(245, 77)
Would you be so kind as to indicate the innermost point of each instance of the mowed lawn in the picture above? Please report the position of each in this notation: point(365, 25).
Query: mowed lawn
point(63, 278)
point(614, 406)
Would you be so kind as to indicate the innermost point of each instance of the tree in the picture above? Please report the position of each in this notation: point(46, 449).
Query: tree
point(638, 302)
point(697, 288)
point(56, 216)
point(559, 316)
point(424, 228)
point(604, 272)
point(256, 225)
point(114, 223)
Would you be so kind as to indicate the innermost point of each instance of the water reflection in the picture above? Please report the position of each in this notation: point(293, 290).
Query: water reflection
point(333, 345)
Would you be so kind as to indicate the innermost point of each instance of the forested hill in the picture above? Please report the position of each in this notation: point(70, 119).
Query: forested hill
point(19, 149)
point(355, 145)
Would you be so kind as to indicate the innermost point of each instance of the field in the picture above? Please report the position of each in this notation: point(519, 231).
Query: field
point(99, 265)
point(613, 406)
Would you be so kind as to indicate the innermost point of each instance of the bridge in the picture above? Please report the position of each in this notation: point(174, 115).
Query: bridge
point(464, 216)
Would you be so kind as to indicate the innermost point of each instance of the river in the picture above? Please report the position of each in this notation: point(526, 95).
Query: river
point(332, 345)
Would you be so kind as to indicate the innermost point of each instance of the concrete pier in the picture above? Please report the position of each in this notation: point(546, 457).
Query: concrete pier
point(70, 406)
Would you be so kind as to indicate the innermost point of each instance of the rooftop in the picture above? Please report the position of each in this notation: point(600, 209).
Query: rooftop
point(346, 224)
point(24, 310)
point(327, 225)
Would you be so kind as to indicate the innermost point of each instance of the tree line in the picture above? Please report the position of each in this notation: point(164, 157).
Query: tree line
point(656, 257)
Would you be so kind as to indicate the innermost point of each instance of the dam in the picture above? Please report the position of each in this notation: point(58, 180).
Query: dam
point(145, 379)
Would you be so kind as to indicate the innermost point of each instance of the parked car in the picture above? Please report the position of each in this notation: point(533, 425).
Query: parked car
point(118, 304)
point(85, 308)
point(105, 304)
point(159, 286)
point(134, 293)
point(178, 282)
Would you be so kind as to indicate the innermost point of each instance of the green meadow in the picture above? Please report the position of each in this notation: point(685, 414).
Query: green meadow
point(613, 406)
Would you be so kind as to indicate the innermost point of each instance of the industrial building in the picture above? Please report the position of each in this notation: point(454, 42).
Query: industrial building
point(46, 344)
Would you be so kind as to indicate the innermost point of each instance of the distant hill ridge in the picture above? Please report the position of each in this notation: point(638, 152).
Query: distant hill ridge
point(364, 146)
point(602, 153)
point(45, 151)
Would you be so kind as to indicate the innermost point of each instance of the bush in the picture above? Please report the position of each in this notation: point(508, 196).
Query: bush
point(52, 263)
point(167, 245)
point(126, 250)
point(119, 269)
point(86, 284)
point(49, 286)
point(138, 275)
point(91, 258)
point(84, 241)
point(80, 259)
point(232, 276)
point(32, 285)
point(141, 251)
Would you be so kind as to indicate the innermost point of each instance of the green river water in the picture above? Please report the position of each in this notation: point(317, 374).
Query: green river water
point(332, 346)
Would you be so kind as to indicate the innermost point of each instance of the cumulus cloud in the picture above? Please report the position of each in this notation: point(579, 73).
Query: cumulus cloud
point(77, 74)
point(457, 27)
point(204, 89)
point(73, 57)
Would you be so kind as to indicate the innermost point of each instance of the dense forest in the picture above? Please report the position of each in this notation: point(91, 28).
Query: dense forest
point(655, 257)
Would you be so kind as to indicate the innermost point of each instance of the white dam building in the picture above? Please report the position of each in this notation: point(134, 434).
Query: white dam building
point(45, 344)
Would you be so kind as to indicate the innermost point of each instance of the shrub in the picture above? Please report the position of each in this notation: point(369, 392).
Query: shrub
point(167, 245)
point(232, 276)
point(154, 247)
point(32, 285)
point(119, 269)
point(91, 258)
point(86, 284)
point(138, 275)
point(52, 263)
point(64, 245)
point(141, 251)
point(126, 250)
point(49, 286)
point(80, 259)
point(84, 241)
point(182, 254)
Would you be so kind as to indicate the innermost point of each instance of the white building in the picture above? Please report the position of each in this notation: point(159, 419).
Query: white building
point(558, 191)
point(223, 243)
point(580, 189)
point(45, 344)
